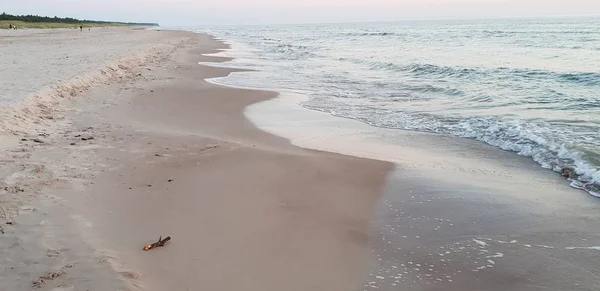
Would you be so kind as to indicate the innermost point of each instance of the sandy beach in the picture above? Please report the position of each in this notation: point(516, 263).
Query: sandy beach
point(174, 155)
point(259, 193)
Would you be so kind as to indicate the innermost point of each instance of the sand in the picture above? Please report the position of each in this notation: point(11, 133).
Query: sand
point(174, 155)
point(40, 67)
point(39, 238)
point(457, 214)
point(246, 210)
point(258, 193)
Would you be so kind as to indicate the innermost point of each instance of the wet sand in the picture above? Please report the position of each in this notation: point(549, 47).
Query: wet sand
point(165, 153)
point(457, 214)
point(162, 152)
point(246, 209)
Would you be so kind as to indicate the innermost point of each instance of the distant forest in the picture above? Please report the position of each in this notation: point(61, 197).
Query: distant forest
point(36, 18)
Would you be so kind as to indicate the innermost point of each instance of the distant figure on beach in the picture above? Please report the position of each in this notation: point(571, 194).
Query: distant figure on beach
point(10, 26)
point(81, 28)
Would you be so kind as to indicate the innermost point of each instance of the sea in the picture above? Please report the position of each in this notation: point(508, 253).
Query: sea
point(527, 85)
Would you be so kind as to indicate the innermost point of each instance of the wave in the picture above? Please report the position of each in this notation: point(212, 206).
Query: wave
point(529, 32)
point(376, 83)
point(581, 78)
point(427, 88)
point(437, 71)
point(524, 138)
point(370, 33)
point(290, 51)
point(585, 79)
point(415, 69)
point(588, 79)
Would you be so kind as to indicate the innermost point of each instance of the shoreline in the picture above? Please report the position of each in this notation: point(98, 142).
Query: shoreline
point(158, 166)
point(456, 214)
point(251, 189)
point(288, 99)
point(280, 216)
point(573, 162)
point(454, 205)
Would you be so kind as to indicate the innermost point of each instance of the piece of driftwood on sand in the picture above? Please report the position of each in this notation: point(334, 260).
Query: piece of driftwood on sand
point(161, 242)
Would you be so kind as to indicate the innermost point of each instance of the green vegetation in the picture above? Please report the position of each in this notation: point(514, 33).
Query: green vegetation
point(34, 21)
point(20, 24)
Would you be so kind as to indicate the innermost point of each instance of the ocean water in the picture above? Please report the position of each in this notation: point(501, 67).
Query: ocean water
point(531, 86)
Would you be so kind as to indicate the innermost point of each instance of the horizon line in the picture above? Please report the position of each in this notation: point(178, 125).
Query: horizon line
point(400, 20)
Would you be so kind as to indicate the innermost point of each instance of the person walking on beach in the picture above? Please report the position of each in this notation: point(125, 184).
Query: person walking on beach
point(81, 28)
point(10, 26)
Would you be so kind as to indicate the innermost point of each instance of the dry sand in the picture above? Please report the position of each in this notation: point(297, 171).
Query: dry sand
point(40, 67)
point(247, 210)
point(41, 247)
point(174, 155)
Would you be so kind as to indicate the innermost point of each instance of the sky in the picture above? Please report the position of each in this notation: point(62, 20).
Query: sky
point(217, 12)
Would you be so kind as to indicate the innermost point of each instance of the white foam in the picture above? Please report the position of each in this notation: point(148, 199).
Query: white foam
point(547, 144)
point(545, 246)
point(596, 248)
point(480, 242)
point(497, 255)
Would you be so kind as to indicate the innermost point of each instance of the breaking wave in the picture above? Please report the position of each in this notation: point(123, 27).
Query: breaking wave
point(527, 86)
point(524, 138)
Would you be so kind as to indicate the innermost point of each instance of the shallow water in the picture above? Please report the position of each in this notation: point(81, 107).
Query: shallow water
point(524, 85)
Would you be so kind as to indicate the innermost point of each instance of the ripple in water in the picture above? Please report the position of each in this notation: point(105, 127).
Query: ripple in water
point(525, 85)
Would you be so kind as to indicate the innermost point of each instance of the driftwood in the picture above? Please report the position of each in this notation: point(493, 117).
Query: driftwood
point(161, 242)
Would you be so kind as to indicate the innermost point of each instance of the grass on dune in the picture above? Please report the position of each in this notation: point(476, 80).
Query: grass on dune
point(4, 24)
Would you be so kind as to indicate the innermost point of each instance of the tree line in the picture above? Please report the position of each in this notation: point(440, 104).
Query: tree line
point(37, 18)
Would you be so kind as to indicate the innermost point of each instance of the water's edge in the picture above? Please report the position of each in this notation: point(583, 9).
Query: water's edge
point(580, 174)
